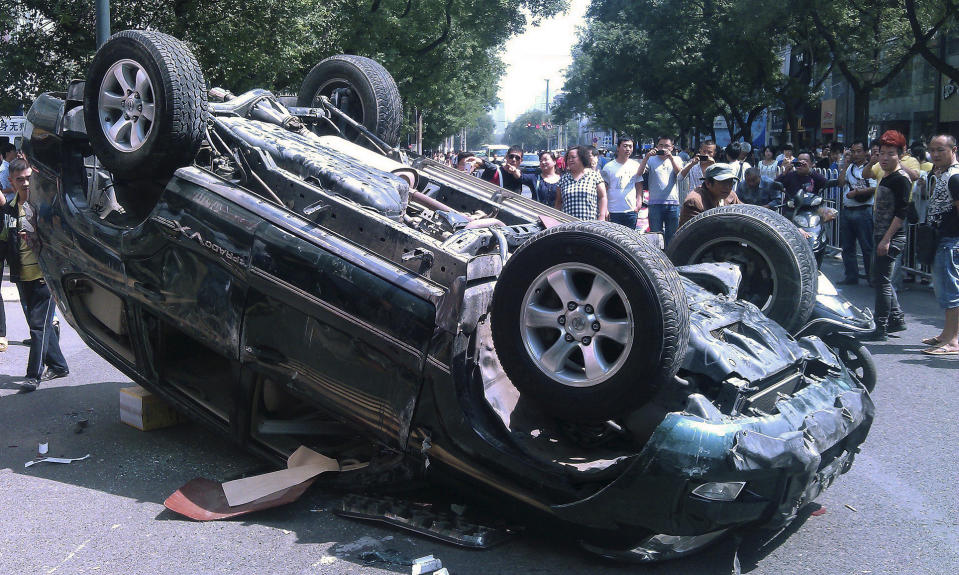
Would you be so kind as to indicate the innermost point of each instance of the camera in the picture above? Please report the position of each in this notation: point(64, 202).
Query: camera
point(660, 152)
point(797, 163)
point(703, 157)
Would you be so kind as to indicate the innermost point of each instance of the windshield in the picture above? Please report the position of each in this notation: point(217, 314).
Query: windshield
point(531, 158)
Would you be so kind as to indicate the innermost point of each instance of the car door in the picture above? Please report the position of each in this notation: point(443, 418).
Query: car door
point(186, 268)
point(348, 330)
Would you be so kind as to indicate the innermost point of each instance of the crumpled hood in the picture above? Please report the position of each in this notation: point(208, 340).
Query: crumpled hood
point(733, 337)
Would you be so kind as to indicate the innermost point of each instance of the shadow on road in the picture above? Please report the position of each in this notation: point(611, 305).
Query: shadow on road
point(149, 466)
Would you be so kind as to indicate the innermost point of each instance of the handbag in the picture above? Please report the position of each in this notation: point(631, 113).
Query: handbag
point(927, 241)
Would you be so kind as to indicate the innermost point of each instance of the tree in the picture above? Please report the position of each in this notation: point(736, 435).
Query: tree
point(529, 130)
point(925, 20)
point(481, 132)
point(649, 65)
point(872, 43)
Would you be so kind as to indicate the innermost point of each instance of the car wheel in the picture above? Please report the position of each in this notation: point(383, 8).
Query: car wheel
point(779, 271)
point(145, 104)
point(361, 88)
point(589, 320)
point(855, 356)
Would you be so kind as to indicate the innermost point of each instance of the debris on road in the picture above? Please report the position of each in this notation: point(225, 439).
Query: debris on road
point(425, 565)
point(206, 500)
point(54, 460)
point(304, 464)
point(851, 508)
point(202, 499)
point(448, 527)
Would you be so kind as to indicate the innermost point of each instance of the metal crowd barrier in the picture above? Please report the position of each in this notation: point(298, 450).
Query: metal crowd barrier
point(832, 197)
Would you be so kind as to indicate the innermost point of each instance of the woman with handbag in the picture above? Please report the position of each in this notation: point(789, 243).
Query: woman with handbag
point(942, 215)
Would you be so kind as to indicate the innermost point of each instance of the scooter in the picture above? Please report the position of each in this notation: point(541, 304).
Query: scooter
point(836, 321)
point(805, 210)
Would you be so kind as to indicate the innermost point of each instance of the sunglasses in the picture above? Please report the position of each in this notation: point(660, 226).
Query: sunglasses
point(514, 157)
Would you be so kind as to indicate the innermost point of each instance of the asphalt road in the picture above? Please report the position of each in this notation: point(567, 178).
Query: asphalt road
point(895, 512)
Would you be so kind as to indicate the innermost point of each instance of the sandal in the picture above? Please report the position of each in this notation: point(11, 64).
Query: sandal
point(940, 350)
point(3, 344)
point(934, 340)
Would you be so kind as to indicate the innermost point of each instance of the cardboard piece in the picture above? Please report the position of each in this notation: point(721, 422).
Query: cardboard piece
point(203, 500)
point(304, 464)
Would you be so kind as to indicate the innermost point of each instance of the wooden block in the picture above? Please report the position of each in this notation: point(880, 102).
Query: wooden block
point(141, 409)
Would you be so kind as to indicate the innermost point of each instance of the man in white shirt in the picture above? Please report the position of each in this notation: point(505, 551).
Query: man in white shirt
point(855, 219)
point(733, 151)
point(620, 177)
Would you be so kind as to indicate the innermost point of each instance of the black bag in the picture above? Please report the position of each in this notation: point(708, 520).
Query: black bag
point(927, 241)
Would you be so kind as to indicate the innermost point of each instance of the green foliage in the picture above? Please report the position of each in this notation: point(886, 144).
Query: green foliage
point(444, 54)
point(481, 132)
point(532, 139)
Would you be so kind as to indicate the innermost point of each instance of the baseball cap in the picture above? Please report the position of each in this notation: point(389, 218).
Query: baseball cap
point(719, 172)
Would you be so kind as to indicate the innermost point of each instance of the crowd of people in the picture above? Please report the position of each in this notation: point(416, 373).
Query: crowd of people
point(643, 192)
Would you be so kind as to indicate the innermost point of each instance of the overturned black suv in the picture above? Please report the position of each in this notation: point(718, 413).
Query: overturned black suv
point(280, 270)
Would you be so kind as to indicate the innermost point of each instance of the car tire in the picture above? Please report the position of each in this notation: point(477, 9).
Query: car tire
point(779, 271)
point(636, 319)
point(363, 89)
point(855, 356)
point(145, 104)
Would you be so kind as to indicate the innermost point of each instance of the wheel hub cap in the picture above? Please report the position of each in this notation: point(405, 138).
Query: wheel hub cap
point(577, 324)
point(126, 105)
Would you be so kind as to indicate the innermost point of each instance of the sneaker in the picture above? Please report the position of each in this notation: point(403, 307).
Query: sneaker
point(3, 344)
point(897, 323)
point(29, 384)
point(54, 374)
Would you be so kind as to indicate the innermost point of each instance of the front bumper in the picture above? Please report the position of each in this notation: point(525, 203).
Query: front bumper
point(786, 460)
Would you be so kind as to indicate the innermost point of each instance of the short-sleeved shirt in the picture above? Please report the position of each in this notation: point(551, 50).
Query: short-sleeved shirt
point(662, 181)
point(906, 161)
point(892, 196)
point(856, 179)
point(29, 266)
point(770, 171)
point(579, 196)
point(949, 228)
point(541, 190)
point(793, 182)
point(620, 185)
point(695, 176)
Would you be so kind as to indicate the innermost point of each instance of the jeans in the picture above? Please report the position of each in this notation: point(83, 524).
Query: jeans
point(945, 273)
point(664, 218)
point(44, 342)
point(627, 219)
point(855, 226)
point(887, 302)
